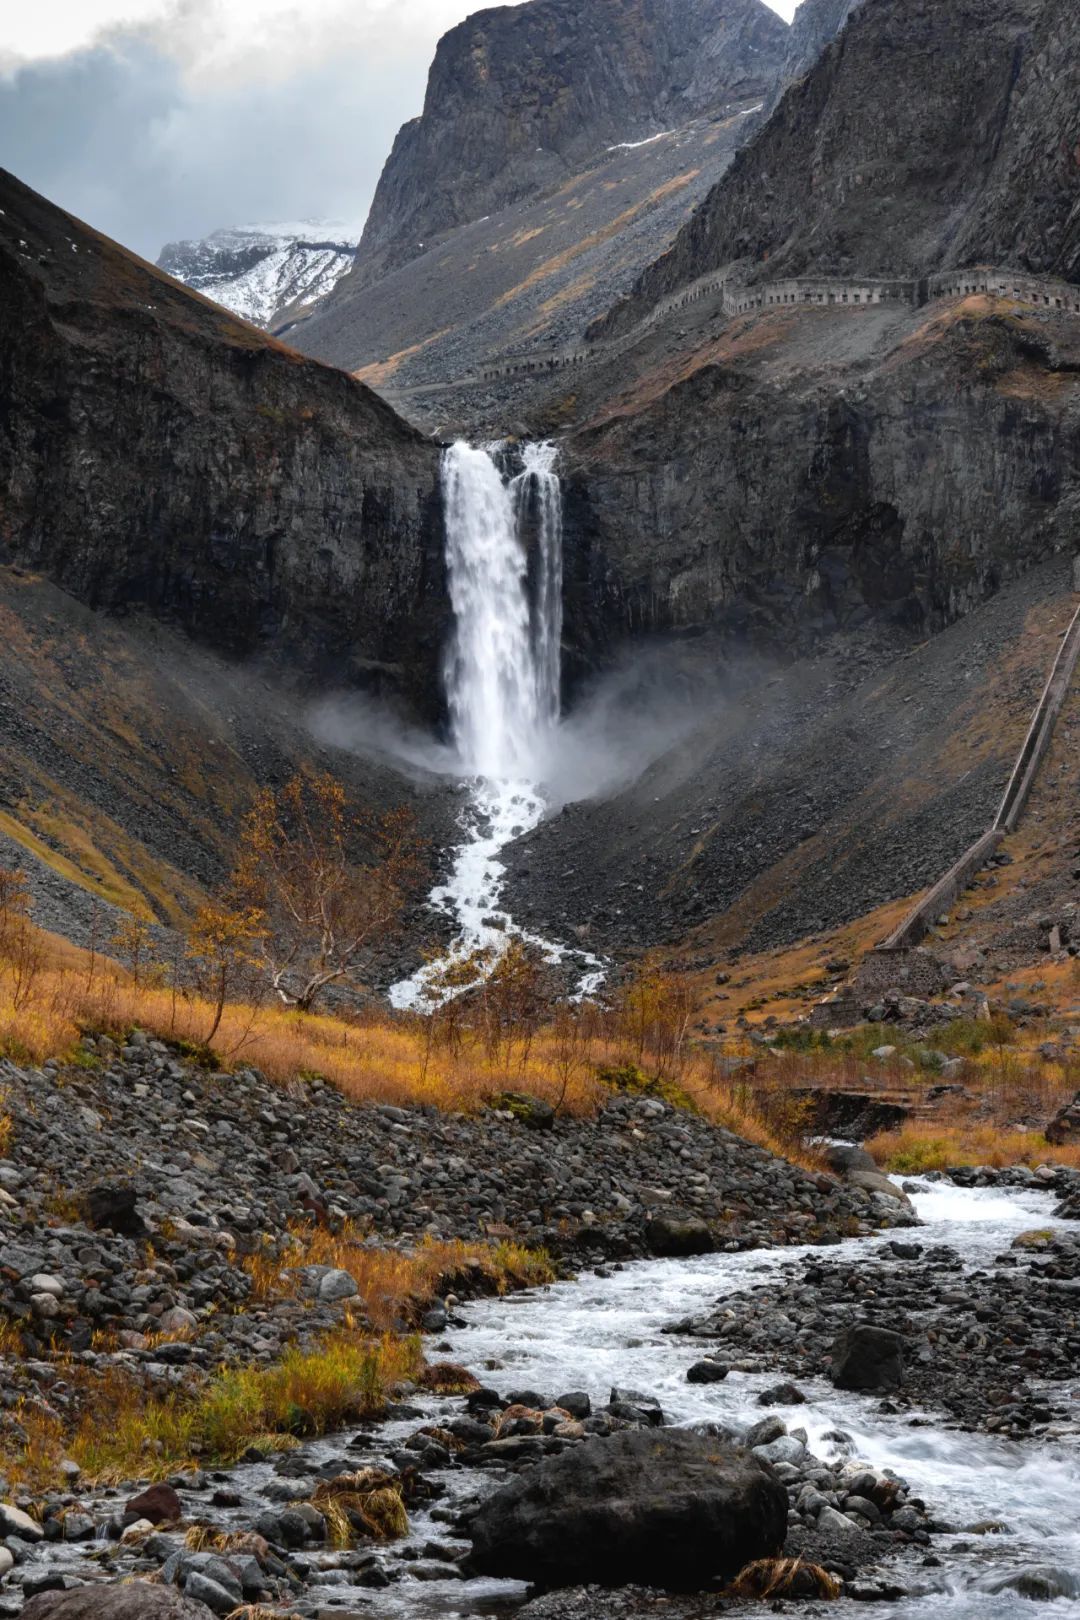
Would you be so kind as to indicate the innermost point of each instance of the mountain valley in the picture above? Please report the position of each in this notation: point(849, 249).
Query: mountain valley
point(540, 848)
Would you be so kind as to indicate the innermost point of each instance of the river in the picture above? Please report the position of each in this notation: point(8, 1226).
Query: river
point(599, 1331)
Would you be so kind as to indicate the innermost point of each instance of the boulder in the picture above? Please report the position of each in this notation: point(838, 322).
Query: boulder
point(706, 1372)
point(868, 1357)
point(858, 1169)
point(782, 1395)
point(159, 1503)
point(336, 1285)
point(114, 1207)
point(128, 1600)
point(660, 1508)
point(1065, 1125)
point(670, 1237)
point(14, 1522)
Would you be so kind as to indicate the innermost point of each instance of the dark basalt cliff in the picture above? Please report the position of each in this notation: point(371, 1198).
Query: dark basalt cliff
point(157, 452)
point(815, 24)
point(817, 471)
point(927, 136)
point(521, 97)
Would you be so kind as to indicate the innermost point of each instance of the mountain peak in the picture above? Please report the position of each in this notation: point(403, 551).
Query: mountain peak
point(261, 271)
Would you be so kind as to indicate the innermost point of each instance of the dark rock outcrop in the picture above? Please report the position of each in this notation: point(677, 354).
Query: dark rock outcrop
point(668, 1509)
point(868, 1357)
point(134, 1600)
point(928, 135)
point(520, 97)
point(821, 470)
point(815, 25)
point(157, 453)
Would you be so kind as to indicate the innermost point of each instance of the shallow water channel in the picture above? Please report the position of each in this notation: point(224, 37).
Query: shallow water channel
point(600, 1331)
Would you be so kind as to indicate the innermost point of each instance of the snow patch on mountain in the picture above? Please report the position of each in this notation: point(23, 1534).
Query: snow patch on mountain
point(259, 271)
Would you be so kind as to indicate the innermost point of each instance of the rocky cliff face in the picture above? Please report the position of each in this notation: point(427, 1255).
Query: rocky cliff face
point(927, 136)
point(521, 97)
point(155, 452)
point(812, 471)
point(815, 24)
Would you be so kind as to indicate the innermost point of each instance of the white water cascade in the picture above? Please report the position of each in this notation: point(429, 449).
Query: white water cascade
point(503, 691)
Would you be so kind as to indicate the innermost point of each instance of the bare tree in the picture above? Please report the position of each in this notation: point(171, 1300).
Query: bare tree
point(224, 945)
point(331, 882)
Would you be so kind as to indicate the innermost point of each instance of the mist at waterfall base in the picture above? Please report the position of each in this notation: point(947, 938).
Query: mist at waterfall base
point(503, 665)
point(618, 725)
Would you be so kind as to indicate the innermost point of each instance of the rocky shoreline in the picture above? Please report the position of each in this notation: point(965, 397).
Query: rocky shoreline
point(994, 1348)
point(210, 1168)
point(132, 1260)
point(267, 1531)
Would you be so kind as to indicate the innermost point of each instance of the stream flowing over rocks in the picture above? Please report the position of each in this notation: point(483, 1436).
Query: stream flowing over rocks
point(883, 1487)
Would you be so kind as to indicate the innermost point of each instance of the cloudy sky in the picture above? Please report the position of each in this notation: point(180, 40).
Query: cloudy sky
point(161, 119)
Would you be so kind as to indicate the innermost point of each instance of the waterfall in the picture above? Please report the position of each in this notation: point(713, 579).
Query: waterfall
point(502, 671)
point(538, 488)
point(503, 691)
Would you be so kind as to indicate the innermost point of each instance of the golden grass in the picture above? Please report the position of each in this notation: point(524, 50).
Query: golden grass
point(369, 1059)
point(939, 1145)
point(396, 1285)
point(309, 1392)
point(94, 874)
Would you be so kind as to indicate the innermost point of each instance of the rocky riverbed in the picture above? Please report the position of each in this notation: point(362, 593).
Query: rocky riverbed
point(887, 1499)
point(141, 1147)
point(995, 1346)
point(134, 1189)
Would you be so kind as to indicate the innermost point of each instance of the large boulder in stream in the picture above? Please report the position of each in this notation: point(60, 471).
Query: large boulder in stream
point(678, 1236)
point(865, 1356)
point(661, 1508)
point(126, 1600)
point(855, 1166)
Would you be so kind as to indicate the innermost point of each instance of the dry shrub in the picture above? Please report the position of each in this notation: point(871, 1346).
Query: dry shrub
point(370, 1500)
point(784, 1577)
point(203, 1537)
point(447, 1378)
point(395, 1284)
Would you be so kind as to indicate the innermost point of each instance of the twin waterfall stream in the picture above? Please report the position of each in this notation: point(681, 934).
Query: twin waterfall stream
point(1006, 1526)
point(503, 691)
point(504, 556)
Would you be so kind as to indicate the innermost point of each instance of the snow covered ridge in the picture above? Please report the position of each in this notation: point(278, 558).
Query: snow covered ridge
point(260, 270)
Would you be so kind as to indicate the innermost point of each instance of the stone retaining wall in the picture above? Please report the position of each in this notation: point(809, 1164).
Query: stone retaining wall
point(803, 292)
point(923, 915)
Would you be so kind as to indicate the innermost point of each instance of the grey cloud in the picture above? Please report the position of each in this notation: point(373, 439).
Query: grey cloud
point(117, 137)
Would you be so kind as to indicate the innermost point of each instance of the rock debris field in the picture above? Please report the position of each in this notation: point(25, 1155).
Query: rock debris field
point(136, 1183)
